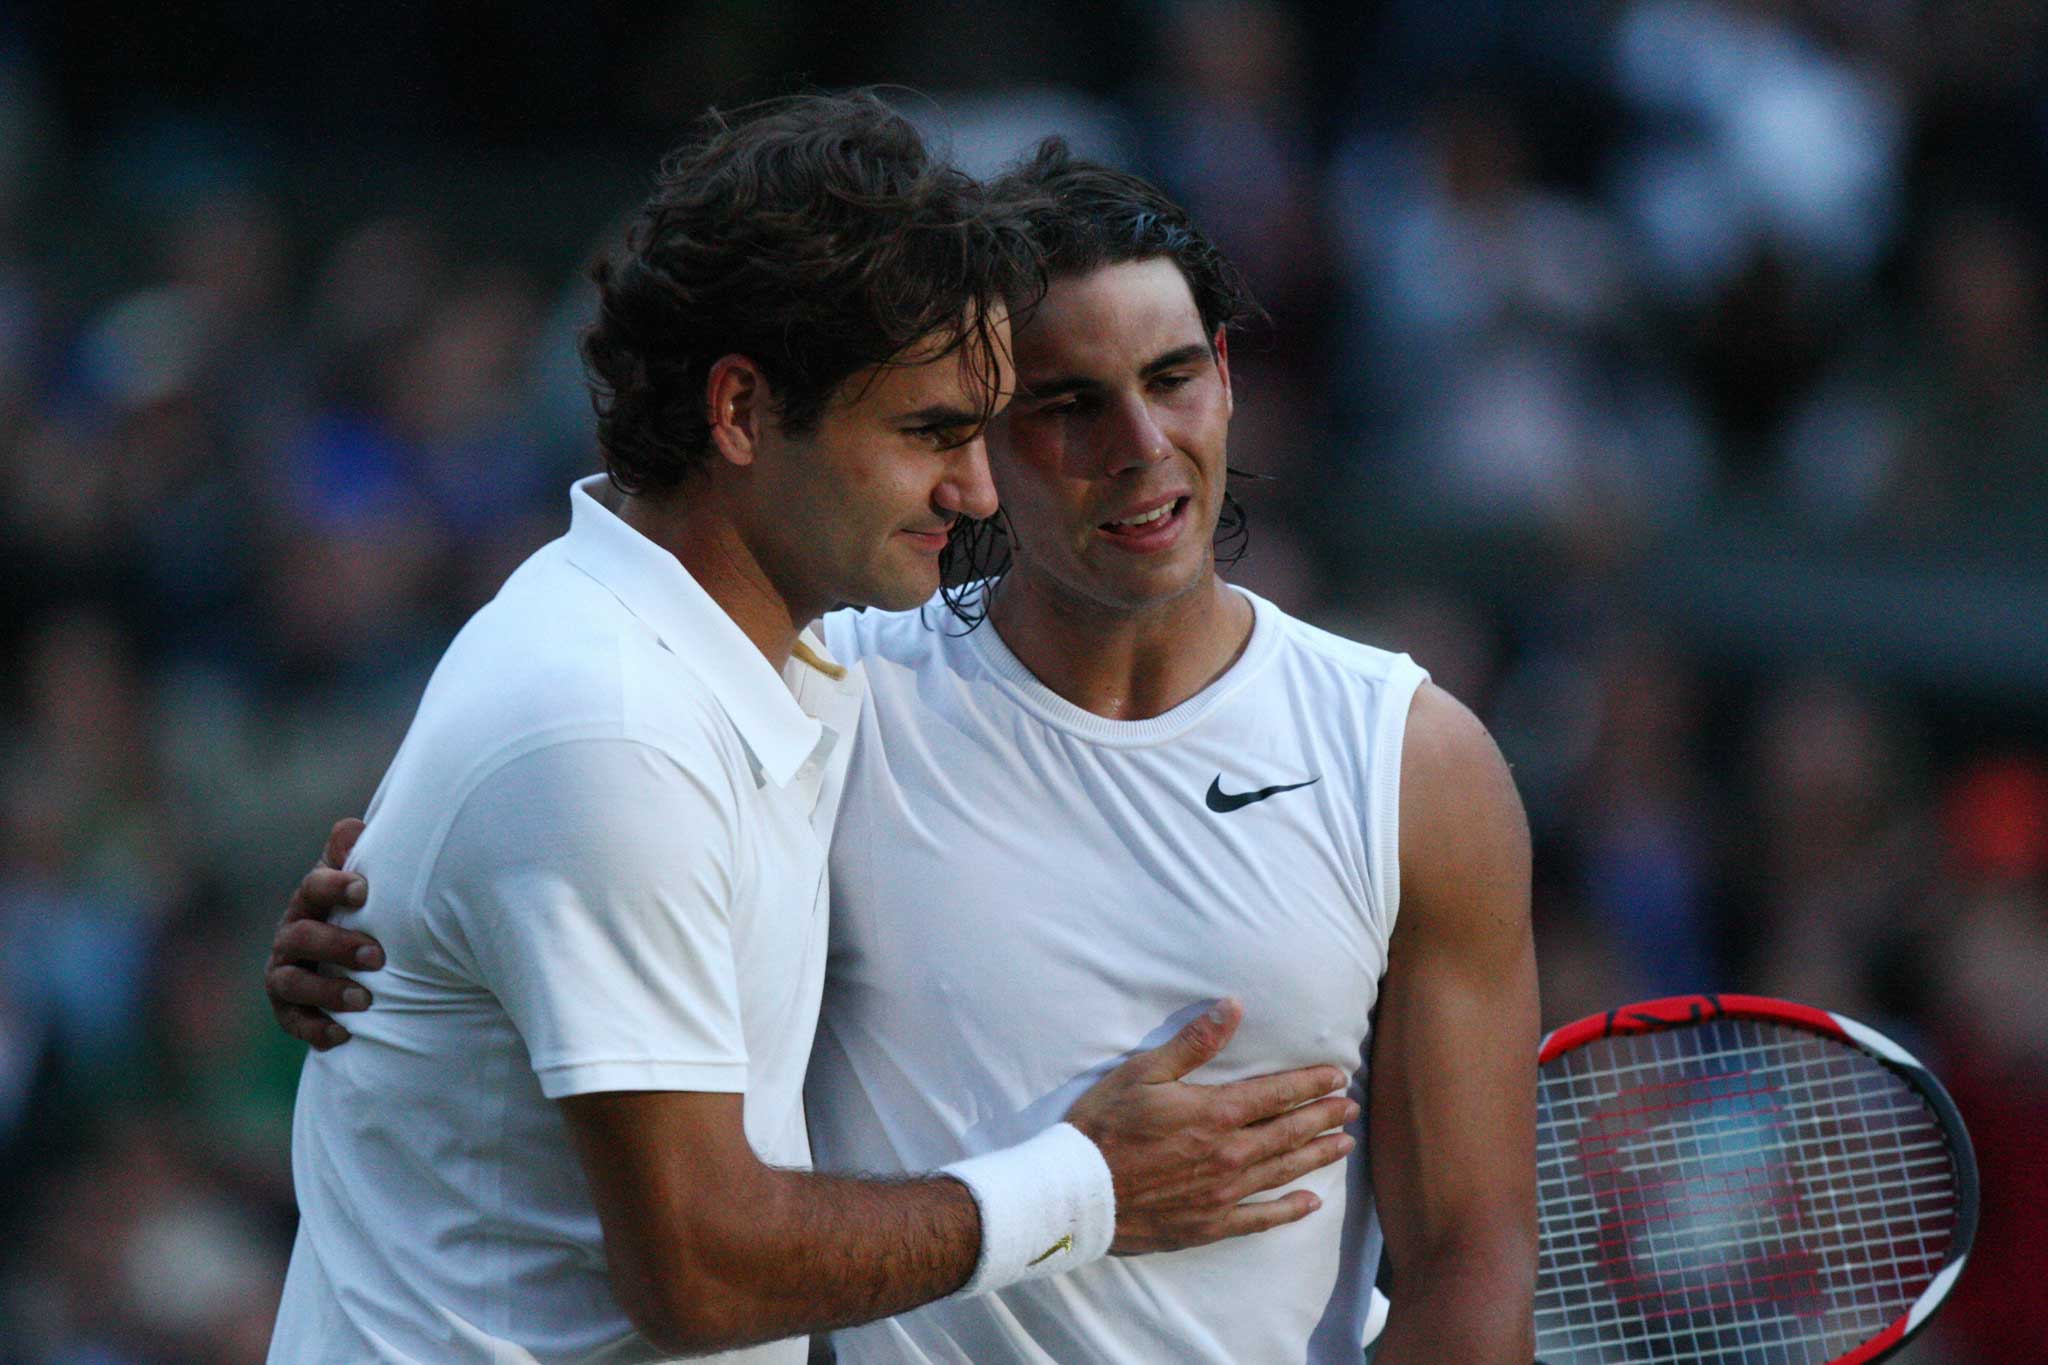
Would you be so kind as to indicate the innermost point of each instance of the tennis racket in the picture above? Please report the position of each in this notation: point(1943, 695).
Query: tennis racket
point(1728, 1178)
point(1733, 1180)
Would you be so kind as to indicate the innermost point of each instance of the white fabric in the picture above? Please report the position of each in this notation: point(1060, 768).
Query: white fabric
point(597, 863)
point(1047, 1205)
point(1021, 890)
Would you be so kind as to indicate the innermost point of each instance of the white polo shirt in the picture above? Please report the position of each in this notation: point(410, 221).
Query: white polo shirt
point(597, 863)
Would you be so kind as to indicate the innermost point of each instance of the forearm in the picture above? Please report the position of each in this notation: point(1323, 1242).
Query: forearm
point(1474, 1305)
point(726, 1252)
point(822, 1251)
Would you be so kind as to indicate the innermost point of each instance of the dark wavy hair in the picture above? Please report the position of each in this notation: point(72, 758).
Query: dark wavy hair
point(1082, 216)
point(815, 235)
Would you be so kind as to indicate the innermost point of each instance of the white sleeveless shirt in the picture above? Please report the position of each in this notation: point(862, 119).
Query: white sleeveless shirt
point(1022, 891)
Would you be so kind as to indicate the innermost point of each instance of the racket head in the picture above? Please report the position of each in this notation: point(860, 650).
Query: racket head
point(1739, 1179)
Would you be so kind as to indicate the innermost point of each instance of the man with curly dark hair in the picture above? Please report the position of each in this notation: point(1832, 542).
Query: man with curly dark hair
point(1177, 789)
point(572, 1127)
point(1132, 784)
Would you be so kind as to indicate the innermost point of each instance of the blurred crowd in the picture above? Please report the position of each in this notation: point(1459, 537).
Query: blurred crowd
point(1670, 377)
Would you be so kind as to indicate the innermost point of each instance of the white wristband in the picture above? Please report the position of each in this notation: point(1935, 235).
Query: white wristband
point(1047, 1205)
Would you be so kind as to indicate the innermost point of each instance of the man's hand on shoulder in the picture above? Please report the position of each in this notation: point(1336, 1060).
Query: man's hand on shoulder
point(303, 1000)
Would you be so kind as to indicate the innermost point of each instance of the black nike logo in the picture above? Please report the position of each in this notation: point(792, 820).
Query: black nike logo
point(1223, 802)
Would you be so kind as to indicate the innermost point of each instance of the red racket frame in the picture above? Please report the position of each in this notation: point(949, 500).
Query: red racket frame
point(1680, 1011)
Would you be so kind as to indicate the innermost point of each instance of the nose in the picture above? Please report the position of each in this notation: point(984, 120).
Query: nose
point(968, 489)
point(1133, 439)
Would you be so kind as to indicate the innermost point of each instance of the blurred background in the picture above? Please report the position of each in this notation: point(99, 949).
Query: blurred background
point(1669, 377)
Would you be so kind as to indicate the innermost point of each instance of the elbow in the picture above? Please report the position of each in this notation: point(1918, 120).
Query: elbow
point(688, 1315)
point(1502, 1260)
point(688, 1337)
point(1469, 1297)
point(705, 1284)
point(683, 1302)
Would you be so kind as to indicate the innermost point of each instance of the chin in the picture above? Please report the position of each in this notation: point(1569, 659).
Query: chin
point(1157, 585)
point(902, 592)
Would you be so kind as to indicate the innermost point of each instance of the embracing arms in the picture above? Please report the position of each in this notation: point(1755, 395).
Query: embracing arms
point(710, 1248)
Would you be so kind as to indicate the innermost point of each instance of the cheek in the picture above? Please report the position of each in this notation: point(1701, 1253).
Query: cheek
point(1016, 476)
point(862, 487)
point(1030, 509)
point(1027, 446)
point(1198, 427)
point(1025, 490)
point(857, 475)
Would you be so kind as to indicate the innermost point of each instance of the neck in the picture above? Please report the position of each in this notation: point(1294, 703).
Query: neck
point(708, 544)
point(1121, 664)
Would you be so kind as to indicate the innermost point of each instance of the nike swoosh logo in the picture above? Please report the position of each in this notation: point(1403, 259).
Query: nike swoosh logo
point(1065, 1243)
point(1223, 802)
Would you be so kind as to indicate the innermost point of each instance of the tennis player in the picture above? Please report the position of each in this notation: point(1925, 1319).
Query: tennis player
point(573, 1129)
point(1135, 785)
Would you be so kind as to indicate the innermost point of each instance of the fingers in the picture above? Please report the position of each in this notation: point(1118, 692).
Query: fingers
point(1298, 1125)
point(1267, 1214)
point(290, 985)
point(1262, 1097)
point(340, 840)
point(312, 940)
point(1198, 1041)
point(323, 891)
point(300, 997)
point(1291, 1165)
point(310, 1026)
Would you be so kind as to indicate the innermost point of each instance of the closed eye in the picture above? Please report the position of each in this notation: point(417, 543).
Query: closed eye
point(940, 435)
point(1073, 404)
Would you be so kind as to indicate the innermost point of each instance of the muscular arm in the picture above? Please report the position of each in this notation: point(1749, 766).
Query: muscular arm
point(1453, 1108)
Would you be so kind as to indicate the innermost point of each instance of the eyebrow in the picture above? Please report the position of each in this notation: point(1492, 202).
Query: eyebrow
point(941, 415)
point(1165, 360)
point(1175, 358)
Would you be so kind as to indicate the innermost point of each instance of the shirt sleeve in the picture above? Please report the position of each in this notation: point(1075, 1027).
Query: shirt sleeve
point(592, 883)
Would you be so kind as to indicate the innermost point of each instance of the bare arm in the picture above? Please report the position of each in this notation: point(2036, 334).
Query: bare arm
point(710, 1249)
point(1453, 1112)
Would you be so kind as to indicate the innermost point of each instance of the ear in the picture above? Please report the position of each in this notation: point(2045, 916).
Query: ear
point(736, 403)
point(1221, 345)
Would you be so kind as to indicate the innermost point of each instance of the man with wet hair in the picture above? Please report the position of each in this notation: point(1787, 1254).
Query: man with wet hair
point(1167, 787)
point(571, 1126)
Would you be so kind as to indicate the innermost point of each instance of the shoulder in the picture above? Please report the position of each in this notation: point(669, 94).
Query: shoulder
point(625, 802)
point(552, 633)
point(1463, 831)
point(1342, 661)
point(555, 658)
point(1445, 740)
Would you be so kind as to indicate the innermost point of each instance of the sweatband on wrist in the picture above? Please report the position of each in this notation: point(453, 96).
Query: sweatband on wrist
point(1047, 1205)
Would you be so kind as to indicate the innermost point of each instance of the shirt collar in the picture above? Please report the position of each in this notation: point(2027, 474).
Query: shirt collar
point(653, 585)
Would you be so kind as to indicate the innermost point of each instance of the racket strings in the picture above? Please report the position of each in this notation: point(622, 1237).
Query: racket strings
point(1748, 1193)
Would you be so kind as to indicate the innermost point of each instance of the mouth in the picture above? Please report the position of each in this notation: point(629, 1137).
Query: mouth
point(928, 542)
point(1148, 529)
